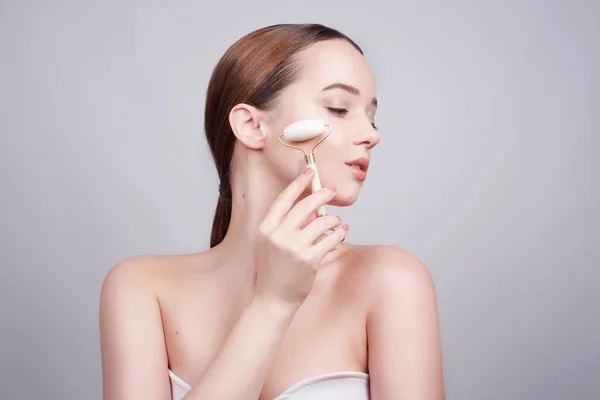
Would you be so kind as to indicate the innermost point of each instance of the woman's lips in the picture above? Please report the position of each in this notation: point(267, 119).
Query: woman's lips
point(358, 173)
point(359, 167)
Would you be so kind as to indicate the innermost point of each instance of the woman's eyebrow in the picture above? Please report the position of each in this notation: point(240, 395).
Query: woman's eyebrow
point(350, 89)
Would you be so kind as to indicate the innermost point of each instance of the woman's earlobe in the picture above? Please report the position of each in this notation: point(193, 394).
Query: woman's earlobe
point(254, 134)
point(264, 132)
point(255, 137)
point(247, 127)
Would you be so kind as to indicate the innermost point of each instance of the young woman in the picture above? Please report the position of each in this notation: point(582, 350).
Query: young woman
point(275, 308)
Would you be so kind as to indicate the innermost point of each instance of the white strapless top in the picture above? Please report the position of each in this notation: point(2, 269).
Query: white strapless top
point(334, 386)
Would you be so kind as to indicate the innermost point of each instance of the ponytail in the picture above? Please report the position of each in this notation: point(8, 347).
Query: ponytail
point(222, 214)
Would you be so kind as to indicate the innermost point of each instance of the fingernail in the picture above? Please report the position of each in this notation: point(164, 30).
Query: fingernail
point(345, 227)
point(338, 217)
point(332, 188)
point(308, 171)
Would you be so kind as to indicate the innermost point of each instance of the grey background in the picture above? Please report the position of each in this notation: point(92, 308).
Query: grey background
point(486, 171)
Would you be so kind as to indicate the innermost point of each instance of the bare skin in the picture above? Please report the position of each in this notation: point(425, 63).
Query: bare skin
point(200, 300)
point(254, 315)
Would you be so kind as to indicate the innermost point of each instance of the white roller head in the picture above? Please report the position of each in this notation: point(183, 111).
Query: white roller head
point(304, 129)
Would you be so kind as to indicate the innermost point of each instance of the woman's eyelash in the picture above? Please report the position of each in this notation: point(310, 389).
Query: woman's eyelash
point(340, 112)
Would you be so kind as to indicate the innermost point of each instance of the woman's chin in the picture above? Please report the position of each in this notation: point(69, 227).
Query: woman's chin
point(345, 197)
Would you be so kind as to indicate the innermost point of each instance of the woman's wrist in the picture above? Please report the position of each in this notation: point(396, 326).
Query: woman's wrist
point(274, 308)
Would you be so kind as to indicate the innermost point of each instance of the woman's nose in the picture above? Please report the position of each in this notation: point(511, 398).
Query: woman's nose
point(367, 136)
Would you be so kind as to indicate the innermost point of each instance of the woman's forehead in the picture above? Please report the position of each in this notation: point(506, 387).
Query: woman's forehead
point(336, 61)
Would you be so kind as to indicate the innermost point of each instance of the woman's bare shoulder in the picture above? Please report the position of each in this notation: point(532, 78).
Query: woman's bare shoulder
point(155, 272)
point(370, 257)
point(402, 323)
point(131, 322)
point(385, 267)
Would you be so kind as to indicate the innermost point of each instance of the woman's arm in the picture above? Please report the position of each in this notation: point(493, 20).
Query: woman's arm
point(240, 368)
point(405, 361)
point(134, 358)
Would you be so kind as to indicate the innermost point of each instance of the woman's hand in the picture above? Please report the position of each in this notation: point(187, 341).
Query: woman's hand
point(288, 254)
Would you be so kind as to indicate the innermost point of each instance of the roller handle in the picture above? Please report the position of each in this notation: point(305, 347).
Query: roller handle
point(316, 185)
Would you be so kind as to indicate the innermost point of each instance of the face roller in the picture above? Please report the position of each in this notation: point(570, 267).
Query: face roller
point(301, 131)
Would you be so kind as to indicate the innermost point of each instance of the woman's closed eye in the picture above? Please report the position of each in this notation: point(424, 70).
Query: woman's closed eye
point(340, 112)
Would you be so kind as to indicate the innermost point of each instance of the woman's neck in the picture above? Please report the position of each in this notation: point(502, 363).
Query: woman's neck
point(253, 192)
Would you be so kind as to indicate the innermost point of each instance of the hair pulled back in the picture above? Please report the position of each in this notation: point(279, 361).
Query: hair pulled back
point(254, 70)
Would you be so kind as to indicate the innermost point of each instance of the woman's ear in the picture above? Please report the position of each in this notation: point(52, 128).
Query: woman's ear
point(247, 126)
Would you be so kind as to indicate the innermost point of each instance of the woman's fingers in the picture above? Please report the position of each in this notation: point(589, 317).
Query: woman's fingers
point(302, 210)
point(286, 199)
point(318, 227)
point(311, 217)
point(328, 243)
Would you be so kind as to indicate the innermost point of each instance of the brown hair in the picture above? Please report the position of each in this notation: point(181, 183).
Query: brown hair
point(254, 70)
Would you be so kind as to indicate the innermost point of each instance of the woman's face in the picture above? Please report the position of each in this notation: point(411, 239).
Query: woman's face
point(336, 85)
